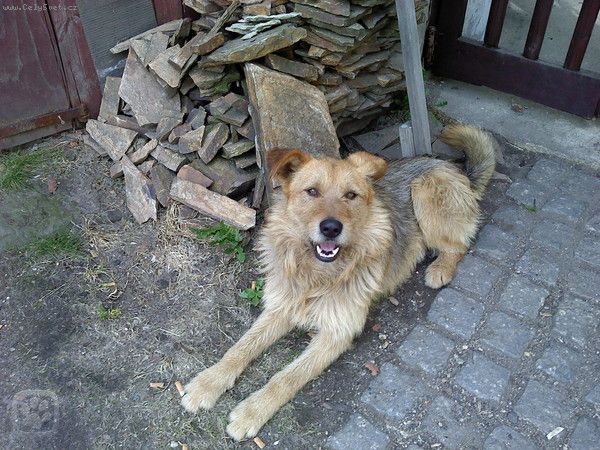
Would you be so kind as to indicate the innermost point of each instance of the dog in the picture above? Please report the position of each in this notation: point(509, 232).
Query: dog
point(339, 235)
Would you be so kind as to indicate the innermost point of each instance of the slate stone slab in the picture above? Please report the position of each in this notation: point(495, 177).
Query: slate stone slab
point(444, 421)
point(149, 101)
point(505, 438)
point(375, 141)
point(541, 265)
point(455, 312)
point(162, 178)
point(586, 435)
point(568, 208)
point(506, 334)
point(594, 396)
point(547, 172)
point(576, 321)
point(593, 224)
point(393, 393)
point(425, 349)
point(528, 193)
point(241, 50)
point(109, 107)
point(115, 140)
point(550, 233)
point(514, 219)
point(476, 275)
point(289, 113)
point(560, 362)
point(588, 250)
point(358, 433)
point(584, 282)
point(139, 192)
point(483, 378)
point(523, 297)
point(543, 407)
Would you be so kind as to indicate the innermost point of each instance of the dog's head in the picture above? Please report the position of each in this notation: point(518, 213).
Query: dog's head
point(328, 200)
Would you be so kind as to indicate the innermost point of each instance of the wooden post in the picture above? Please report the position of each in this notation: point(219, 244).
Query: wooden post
point(411, 54)
point(407, 143)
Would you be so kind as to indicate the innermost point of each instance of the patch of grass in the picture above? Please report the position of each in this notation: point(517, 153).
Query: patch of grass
point(105, 313)
point(62, 241)
point(254, 294)
point(225, 236)
point(441, 103)
point(17, 168)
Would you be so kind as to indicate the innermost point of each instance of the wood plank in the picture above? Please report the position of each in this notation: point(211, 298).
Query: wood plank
point(476, 18)
point(581, 35)
point(537, 28)
point(407, 146)
point(413, 71)
point(577, 92)
point(495, 23)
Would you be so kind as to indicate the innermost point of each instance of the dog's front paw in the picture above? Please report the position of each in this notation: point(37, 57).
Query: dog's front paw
point(247, 418)
point(205, 389)
point(437, 276)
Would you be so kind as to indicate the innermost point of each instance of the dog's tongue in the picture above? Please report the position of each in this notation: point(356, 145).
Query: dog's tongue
point(328, 246)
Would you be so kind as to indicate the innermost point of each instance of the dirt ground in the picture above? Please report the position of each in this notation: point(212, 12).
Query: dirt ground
point(70, 378)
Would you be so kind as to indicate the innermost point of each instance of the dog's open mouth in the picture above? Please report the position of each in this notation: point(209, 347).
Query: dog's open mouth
point(327, 251)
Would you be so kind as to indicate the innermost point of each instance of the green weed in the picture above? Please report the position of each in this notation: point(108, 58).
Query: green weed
point(17, 168)
point(62, 241)
point(531, 208)
point(441, 103)
point(108, 313)
point(225, 236)
point(255, 293)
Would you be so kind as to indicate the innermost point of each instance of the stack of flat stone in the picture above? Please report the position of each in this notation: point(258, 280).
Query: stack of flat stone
point(179, 116)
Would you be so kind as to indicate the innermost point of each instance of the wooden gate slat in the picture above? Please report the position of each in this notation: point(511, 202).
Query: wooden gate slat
point(495, 23)
point(581, 35)
point(537, 28)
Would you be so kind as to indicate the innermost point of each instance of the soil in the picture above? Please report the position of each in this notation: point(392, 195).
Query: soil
point(180, 311)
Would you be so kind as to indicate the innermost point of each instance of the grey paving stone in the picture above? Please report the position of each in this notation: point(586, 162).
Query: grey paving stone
point(358, 433)
point(567, 207)
point(594, 396)
point(528, 193)
point(547, 172)
point(541, 265)
point(496, 243)
point(443, 421)
point(588, 250)
point(584, 282)
point(550, 233)
point(522, 297)
point(476, 275)
point(543, 407)
point(581, 186)
point(514, 219)
point(505, 438)
point(576, 321)
point(506, 334)
point(586, 435)
point(393, 393)
point(593, 224)
point(561, 362)
point(425, 349)
point(455, 312)
point(483, 378)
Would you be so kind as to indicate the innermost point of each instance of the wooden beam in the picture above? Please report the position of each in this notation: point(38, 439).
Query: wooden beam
point(537, 28)
point(495, 23)
point(581, 35)
point(413, 71)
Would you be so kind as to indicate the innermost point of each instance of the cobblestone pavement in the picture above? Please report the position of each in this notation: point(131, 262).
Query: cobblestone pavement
point(507, 356)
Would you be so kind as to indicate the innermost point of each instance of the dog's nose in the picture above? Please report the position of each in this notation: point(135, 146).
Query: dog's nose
point(331, 228)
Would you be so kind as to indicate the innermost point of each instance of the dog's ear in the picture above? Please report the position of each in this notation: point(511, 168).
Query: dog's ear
point(283, 163)
point(372, 166)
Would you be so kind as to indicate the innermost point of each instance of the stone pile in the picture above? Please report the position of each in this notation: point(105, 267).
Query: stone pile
point(177, 123)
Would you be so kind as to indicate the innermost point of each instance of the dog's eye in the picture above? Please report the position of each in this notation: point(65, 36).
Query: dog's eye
point(350, 195)
point(312, 192)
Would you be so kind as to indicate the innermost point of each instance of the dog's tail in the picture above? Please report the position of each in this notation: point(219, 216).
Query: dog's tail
point(478, 147)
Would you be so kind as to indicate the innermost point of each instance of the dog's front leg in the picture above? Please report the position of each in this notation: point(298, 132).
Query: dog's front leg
point(206, 388)
point(251, 414)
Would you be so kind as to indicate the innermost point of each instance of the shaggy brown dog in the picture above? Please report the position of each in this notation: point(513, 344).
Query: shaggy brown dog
point(341, 234)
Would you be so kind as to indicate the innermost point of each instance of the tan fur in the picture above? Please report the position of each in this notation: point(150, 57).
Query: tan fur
point(333, 298)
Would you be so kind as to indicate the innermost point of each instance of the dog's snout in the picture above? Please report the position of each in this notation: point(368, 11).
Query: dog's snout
point(331, 228)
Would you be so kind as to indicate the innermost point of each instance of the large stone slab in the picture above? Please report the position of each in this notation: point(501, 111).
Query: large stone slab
point(149, 101)
point(241, 50)
point(289, 113)
point(227, 178)
point(115, 140)
point(212, 204)
point(140, 194)
point(110, 99)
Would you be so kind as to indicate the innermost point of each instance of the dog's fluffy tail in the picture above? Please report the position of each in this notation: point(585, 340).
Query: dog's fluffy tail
point(478, 147)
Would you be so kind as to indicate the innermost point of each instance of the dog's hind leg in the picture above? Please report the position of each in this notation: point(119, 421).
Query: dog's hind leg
point(448, 213)
point(206, 388)
point(251, 414)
